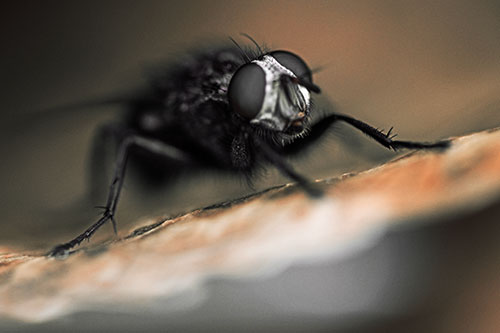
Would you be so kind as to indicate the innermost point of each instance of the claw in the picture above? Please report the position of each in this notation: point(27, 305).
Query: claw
point(60, 252)
point(313, 191)
point(113, 222)
point(63, 251)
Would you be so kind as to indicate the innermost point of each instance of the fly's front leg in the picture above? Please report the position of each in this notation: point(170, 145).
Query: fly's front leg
point(282, 165)
point(386, 139)
point(151, 145)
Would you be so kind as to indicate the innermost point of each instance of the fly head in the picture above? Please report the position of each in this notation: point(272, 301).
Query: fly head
point(273, 91)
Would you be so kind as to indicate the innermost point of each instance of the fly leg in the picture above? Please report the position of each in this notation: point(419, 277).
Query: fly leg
point(285, 168)
point(104, 146)
point(385, 139)
point(318, 129)
point(129, 141)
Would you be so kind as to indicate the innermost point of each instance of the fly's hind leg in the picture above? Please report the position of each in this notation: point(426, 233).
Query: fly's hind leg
point(127, 142)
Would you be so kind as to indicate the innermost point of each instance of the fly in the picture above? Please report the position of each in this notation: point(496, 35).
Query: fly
point(230, 109)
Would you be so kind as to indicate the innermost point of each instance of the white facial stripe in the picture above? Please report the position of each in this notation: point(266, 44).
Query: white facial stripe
point(306, 94)
point(268, 115)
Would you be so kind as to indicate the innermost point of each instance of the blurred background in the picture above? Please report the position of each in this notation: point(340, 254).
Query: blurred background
point(431, 69)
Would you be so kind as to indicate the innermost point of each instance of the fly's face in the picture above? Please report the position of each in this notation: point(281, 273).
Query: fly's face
point(273, 92)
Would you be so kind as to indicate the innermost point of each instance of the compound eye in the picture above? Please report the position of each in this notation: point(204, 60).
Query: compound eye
point(247, 90)
point(294, 63)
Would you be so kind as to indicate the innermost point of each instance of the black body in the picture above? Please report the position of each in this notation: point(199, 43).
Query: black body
point(189, 110)
point(186, 119)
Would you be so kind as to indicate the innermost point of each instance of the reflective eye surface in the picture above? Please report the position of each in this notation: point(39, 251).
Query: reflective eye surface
point(294, 63)
point(246, 90)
